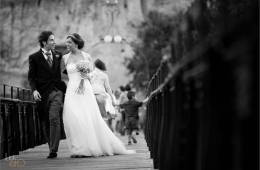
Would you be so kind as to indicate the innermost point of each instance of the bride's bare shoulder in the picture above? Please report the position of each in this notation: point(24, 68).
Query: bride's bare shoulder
point(86, 55)
point(65, 57)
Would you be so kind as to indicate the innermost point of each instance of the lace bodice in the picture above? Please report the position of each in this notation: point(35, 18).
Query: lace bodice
point(73, 74)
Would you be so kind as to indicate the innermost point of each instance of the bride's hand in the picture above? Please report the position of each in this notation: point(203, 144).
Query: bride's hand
point(113, 103)
point(84, 76)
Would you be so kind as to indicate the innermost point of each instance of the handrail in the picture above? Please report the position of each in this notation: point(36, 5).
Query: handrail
point(20, 124)
point(21, 93)
point(200, 110)
point(20, 127)
point(16, 100)
point(190, 57)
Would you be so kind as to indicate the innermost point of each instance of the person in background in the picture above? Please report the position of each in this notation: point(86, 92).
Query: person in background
point(122, 99)
point(102, 91)
point(117, 111)
point(111, 110)
point(131, 115)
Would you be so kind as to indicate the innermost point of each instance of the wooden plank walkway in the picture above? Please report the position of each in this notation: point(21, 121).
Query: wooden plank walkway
point(35, 159)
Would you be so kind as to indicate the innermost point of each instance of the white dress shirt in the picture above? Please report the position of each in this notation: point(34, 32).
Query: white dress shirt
point(45, 56)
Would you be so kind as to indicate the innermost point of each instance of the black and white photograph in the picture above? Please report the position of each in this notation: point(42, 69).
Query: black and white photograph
point(129, 85)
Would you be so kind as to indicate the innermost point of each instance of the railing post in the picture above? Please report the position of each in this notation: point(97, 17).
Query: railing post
point(2, 128)
point(20, 114)
point(18, 93)
point(4, 90)
point(19, 121)
point(15, 128)
point(25, 127)
point(34, 124)
point(23, 94)
point(8, 130)
point(4, 140)
point(12, 89)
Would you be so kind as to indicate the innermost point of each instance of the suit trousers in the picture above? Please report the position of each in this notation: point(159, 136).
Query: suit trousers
point(52, 127)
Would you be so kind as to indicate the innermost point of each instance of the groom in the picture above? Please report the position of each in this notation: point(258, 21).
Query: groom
point(48, 90)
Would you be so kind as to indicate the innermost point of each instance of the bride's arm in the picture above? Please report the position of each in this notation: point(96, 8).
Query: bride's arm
point(64, 74)
point(89, 59)
point(91, 64)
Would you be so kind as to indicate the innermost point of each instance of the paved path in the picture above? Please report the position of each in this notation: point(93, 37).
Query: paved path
point(35, 158)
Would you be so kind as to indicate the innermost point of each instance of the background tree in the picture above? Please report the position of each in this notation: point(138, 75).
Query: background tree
point(155, 35)
point(183, 30)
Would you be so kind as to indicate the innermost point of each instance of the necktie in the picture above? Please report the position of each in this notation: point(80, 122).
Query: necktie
point(49, 60)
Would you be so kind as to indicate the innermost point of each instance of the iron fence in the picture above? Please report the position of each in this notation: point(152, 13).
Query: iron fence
point(19, 121)
point(202, 110)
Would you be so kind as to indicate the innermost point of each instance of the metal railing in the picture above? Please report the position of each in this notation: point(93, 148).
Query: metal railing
point(19, 121)
point(14, 92)
point(201, 113)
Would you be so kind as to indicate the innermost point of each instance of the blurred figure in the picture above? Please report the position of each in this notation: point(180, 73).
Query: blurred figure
point(103, 92)
point(122, 99)
point(131, 115)
point(111, 111)
point(118, 115)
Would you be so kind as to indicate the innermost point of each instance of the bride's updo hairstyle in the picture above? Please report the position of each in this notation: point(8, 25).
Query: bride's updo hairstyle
point(76, 38)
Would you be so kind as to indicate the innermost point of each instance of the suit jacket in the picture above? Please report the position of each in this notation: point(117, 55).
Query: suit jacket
point(42, 77)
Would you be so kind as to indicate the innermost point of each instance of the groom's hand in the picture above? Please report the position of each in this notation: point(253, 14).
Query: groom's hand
point(36, 95)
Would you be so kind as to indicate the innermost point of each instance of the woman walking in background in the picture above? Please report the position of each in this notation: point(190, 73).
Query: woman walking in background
point(103, 92)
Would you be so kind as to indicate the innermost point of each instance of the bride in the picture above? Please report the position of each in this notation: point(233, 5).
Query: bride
point(86, 132)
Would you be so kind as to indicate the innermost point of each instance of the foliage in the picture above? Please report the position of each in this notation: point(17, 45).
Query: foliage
point(204, 19)
point(155, 35)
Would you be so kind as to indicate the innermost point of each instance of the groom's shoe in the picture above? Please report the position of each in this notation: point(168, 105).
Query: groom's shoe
point(52, 155)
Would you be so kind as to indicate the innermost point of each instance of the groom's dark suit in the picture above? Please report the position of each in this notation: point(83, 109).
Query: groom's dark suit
point(46, 80)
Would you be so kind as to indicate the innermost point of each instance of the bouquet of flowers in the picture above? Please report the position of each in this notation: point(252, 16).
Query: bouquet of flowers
point(83, 69)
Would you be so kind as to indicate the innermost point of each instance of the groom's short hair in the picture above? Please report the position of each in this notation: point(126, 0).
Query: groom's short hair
point(43, 37)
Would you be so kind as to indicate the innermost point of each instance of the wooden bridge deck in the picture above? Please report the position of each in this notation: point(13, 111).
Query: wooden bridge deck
point(35, 158)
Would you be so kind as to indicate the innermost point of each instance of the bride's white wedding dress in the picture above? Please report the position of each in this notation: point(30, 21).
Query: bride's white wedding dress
point(86, 131)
